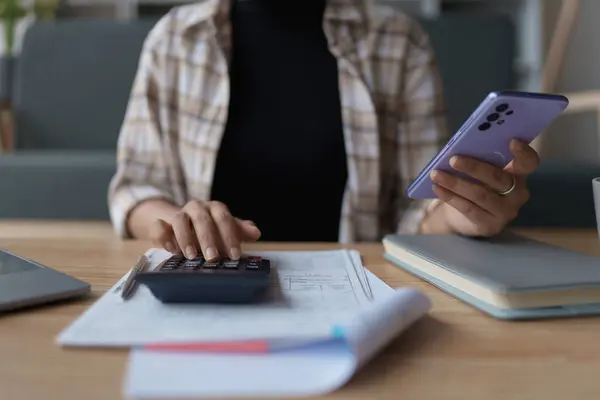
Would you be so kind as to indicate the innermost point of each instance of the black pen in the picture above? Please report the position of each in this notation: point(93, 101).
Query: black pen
point(130, 284)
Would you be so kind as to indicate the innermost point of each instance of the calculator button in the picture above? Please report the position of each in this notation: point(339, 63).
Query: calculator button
point(253, 265)
point(192, 264)
point(172, 263)
point(253, 262)
point(210, 265)
point(230, 264)
point(169, 265)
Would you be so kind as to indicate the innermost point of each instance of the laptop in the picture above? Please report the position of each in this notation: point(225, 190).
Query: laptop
point(25, 283)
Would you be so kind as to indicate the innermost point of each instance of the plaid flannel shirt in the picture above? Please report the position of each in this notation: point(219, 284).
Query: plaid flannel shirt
point(391, 99)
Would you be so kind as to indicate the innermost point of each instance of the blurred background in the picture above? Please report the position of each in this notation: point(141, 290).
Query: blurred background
point(66, 68)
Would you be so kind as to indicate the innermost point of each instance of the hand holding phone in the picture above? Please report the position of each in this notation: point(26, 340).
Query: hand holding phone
point(480, 175)
point(486, 136)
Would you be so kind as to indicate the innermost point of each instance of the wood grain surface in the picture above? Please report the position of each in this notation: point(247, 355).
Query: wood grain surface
point(454, 353)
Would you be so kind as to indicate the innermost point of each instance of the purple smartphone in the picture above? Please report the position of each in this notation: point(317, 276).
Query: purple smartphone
point(487, 134)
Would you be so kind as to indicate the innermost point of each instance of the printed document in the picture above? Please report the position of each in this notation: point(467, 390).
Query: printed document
point(308, 370)
point(311, 292)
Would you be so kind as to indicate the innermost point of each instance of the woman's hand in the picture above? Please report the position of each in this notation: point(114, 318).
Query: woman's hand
point(204, 228)
point(482, 209)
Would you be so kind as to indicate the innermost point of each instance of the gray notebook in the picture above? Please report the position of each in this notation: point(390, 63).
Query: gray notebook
point(508, 276)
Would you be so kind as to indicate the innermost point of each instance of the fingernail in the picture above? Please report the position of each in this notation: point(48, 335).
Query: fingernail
point(453, 161)
point(190, 252)
point(210, 253)
point(433, 174)
point(234, 253)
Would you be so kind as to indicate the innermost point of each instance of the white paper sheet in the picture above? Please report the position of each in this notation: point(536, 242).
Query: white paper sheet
point(304, 371)
point(314, 290)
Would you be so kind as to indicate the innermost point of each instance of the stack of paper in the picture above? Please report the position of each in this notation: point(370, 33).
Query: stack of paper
point(327, 316)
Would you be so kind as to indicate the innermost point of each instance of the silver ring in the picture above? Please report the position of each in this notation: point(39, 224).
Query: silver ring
point(508, 191)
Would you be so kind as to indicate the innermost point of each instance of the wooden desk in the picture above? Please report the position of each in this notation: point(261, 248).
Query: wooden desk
point(455, 353)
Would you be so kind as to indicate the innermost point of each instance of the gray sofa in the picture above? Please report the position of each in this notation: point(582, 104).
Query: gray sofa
point(71, 88)
point(73, 82)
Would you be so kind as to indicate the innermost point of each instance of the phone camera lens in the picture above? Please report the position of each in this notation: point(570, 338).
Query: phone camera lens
point(509, 112)
point(500, 122)
point(485, 126)
point(502, 107)
point(493, 117)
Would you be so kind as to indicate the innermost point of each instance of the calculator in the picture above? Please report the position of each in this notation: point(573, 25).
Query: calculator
point(179, 280)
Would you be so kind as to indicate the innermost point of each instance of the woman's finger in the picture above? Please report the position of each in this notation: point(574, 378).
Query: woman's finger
point(162, 235)
point(486, 223)
point(184, 234)
point(228, 229)
point(206, 232)
point(249, 230)
point(496, 178)
point(526, 159)
point(475, 193)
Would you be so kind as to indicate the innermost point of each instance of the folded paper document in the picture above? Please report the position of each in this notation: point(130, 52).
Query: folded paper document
point(298, 369)
point(330, 316)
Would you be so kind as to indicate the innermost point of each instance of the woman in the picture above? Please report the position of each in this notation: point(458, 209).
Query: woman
point(293, 121)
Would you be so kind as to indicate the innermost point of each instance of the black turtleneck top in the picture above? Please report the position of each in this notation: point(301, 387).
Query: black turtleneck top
point(282, 161)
